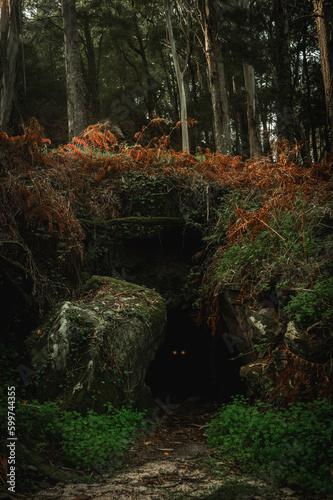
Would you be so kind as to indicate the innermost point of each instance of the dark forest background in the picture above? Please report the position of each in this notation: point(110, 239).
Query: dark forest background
point(256, 64)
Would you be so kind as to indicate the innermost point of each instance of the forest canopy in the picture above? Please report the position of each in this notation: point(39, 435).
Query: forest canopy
point(247, 71)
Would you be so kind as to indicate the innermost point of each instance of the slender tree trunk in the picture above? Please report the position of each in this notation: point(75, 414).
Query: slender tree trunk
point(75, 97)
point(266, 142)
point(284, 101)
point(194, 132)
point(309, 105)
point(180, 77)
point(251, 97)
point(10, 22)
point(255, 147)
point(91, 73)
point(216, 78)
point(266, 145)
point(323, 10)
point(171, 89)
point(242, 145)
point(147, 85)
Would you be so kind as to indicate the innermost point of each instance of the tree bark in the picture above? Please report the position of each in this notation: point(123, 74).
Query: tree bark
point(242, 145)
point(323, 10)
point(309, 105)
point(179, 75)
point(10, 22)
point(216, 78)
point(251, 98)
point(147, 85)
point(255, 147)
point(91, 73)
point(171, 86)
point(285, 110)
point(265, 134)
point(74, 80)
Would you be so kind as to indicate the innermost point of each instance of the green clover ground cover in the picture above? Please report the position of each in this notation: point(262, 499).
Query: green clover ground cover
point(289, 445)
point(88, 441)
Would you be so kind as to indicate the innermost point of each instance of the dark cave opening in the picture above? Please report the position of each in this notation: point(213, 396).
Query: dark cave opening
point(192, 363)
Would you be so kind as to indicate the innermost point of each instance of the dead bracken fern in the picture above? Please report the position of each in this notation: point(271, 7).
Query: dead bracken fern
point(43, 192)
point(301, 377)
point(36, 216)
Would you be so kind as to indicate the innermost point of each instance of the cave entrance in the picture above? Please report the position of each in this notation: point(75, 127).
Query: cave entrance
point(190, 363)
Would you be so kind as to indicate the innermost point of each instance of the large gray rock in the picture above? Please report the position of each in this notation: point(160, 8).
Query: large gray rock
point(234, 315)
point(264, 325)
point(262, 375)
point(314, 344)
point(278, 355)
point(98, 349)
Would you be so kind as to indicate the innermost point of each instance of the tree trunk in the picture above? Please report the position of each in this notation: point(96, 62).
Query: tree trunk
point(324, 19)
point(75, 97)
point(242, 145)
point(194, 132)
point(10, 22)
point(147, 84)
point(179, 76)
point(171, 88)
point(265, 138)
point(216, 78)
point(251, 98)
point(91, 73)
point(285, 111)
point(255, 147)
point(309, 105)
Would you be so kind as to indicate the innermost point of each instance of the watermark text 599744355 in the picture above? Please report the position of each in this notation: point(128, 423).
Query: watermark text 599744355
point(11, 439)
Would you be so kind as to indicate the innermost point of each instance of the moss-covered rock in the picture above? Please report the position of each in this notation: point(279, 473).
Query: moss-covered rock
point(98, 349)
point(314, 344)
point(282, 361)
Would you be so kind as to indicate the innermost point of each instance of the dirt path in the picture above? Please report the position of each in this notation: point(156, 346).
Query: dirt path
point(172, 461)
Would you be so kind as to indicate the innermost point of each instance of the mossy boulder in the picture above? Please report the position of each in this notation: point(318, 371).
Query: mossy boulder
point(98, 349)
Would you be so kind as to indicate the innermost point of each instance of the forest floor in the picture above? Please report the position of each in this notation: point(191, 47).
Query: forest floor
point(173, 461)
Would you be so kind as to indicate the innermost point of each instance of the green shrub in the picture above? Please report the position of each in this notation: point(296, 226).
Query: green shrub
point(88, 441)
point(289, 247)
point(289, 445)
point(310, 306)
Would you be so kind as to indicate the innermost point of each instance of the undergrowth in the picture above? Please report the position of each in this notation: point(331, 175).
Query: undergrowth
point(267, 224)
point(292, 445)
point(291, 251)
point(87, 442)
point(46, 193)
point(313, 305)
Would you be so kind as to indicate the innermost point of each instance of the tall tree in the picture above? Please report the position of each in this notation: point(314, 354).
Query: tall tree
point(285, 91)
point(147, 78)
point(179, 73)
point(208, 17)
point(10, 28)
point(91, 69)
point(75, 96)
point(239, 115)
point(251, 100)
point(251, 95)
point(323, 10)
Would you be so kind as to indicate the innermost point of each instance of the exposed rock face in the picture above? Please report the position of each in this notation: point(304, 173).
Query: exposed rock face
point(311, 344)
point(280, 358)
point(262, 375)
point(98, 349)
point(264, 326)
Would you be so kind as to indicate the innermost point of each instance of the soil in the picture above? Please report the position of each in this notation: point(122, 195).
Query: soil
point(172, 461)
